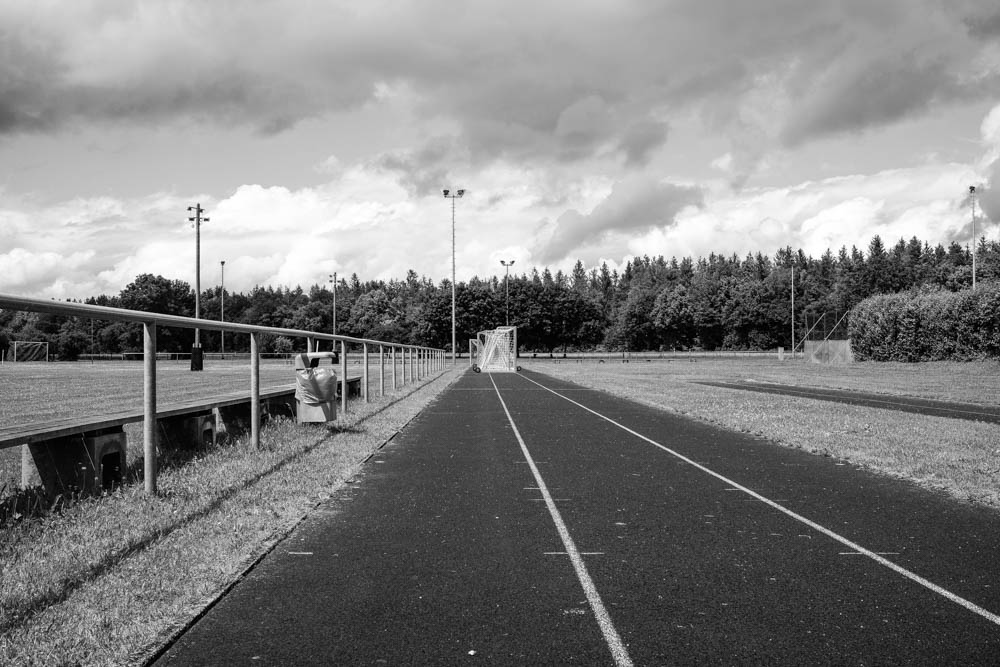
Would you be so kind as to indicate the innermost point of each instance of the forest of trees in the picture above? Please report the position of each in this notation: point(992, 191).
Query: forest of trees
point(718, 302)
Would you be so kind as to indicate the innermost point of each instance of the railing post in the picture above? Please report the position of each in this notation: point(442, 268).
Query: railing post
point(343, 376)
point(381, 371)
point(255, 390)
point(149, 406)
point(310, 344)
point(392, 354)
point(364, 373)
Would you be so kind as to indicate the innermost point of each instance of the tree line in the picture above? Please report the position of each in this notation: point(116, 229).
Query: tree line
point(653, 303)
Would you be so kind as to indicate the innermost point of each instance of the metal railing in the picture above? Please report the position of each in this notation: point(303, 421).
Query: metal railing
point(421, 360)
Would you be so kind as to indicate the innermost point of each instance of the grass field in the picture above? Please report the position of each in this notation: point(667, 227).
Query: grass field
point(958, 457)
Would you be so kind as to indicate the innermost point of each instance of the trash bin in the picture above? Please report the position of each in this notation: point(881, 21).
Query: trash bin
point(197, 358)
point(315, 389)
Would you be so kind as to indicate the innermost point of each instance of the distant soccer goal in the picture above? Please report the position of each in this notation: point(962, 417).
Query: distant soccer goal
point(495, 350)
point(25, 350)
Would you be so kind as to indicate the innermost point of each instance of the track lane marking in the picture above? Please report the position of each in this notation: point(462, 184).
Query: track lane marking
point(611, 636)
point(898, 569)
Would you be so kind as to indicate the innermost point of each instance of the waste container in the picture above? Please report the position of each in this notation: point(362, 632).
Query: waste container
point(315, 389)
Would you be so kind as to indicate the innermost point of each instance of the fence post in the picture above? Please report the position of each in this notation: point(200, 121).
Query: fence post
point(255, 390)
point(364, 373)
point(343, 376)
point(381, 371)
point(393, 355)
point(149, 406)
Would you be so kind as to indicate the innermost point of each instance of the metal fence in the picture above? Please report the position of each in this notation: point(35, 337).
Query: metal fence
point(421, 360)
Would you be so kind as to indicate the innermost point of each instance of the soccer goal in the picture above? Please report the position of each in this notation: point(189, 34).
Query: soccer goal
point(25, 350)
point(496, 350)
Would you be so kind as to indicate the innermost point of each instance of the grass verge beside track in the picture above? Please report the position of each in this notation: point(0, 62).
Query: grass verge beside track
point(109, 580)
point(961, 458)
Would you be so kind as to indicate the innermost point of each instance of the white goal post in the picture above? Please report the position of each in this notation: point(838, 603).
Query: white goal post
point(28, 350)
point(495, 350)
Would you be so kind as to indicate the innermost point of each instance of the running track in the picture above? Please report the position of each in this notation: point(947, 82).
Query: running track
point(524, 520)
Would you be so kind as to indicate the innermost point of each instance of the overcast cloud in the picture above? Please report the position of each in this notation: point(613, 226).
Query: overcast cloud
point(318, 134)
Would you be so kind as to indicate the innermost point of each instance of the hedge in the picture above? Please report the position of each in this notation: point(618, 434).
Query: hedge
point(928, 325)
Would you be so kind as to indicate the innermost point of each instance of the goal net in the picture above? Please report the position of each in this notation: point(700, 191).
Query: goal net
point(497, 350)
point(23, 350)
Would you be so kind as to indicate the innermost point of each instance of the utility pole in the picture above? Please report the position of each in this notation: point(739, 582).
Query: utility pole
point(506, 284)
point(222, 310)
point(196, 358)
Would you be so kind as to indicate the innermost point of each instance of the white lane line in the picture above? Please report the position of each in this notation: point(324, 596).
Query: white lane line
point(611, 636)
point(898, 569)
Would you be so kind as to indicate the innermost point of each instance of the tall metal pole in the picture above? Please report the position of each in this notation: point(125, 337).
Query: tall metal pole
point(197, 220)
point(222, 309)
point(458, 195)
point(506, 284)
point(793, 312)
point(972, 194)
point(333, 287)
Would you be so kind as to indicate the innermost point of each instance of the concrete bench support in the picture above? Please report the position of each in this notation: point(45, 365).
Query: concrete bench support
point(85, 463)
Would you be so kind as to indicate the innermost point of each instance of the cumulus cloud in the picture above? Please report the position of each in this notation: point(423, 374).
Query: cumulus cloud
point(633, 206)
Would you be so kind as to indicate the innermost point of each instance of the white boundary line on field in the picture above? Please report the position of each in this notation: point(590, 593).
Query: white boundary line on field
point(912, 576)
point(611, 636)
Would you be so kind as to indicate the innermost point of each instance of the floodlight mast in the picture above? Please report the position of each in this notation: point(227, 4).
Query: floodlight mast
point(458, 194)
point(972, 195)
point(506, 284)
point(197, 220)
point(222, 308)
point(333, 288)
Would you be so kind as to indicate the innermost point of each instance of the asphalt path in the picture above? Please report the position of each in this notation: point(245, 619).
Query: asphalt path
point(923, 406)
point(525, 520)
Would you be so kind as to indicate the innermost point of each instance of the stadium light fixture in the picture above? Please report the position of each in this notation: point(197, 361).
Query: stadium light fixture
point(197, 219)
point(458, 195)
point(506, 284)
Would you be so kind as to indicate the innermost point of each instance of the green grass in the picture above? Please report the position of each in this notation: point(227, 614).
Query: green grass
point(106, 581)
point(961, 458)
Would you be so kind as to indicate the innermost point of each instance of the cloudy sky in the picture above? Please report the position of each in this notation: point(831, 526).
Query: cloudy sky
point(318, 134)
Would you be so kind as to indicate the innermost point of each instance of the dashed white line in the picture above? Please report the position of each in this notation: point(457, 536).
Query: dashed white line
point(898, 569)
point(618, 651)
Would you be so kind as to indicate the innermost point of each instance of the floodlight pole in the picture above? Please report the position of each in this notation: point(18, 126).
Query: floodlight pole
point(197, 220)
point(333, 287)
point(793, 312)
point(972, 195)
point(222, 309)
point(506, 284)
point(457, 195)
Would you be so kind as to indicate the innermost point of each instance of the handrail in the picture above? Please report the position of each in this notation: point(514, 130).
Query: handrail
point(14, 302)
point(422, 359)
